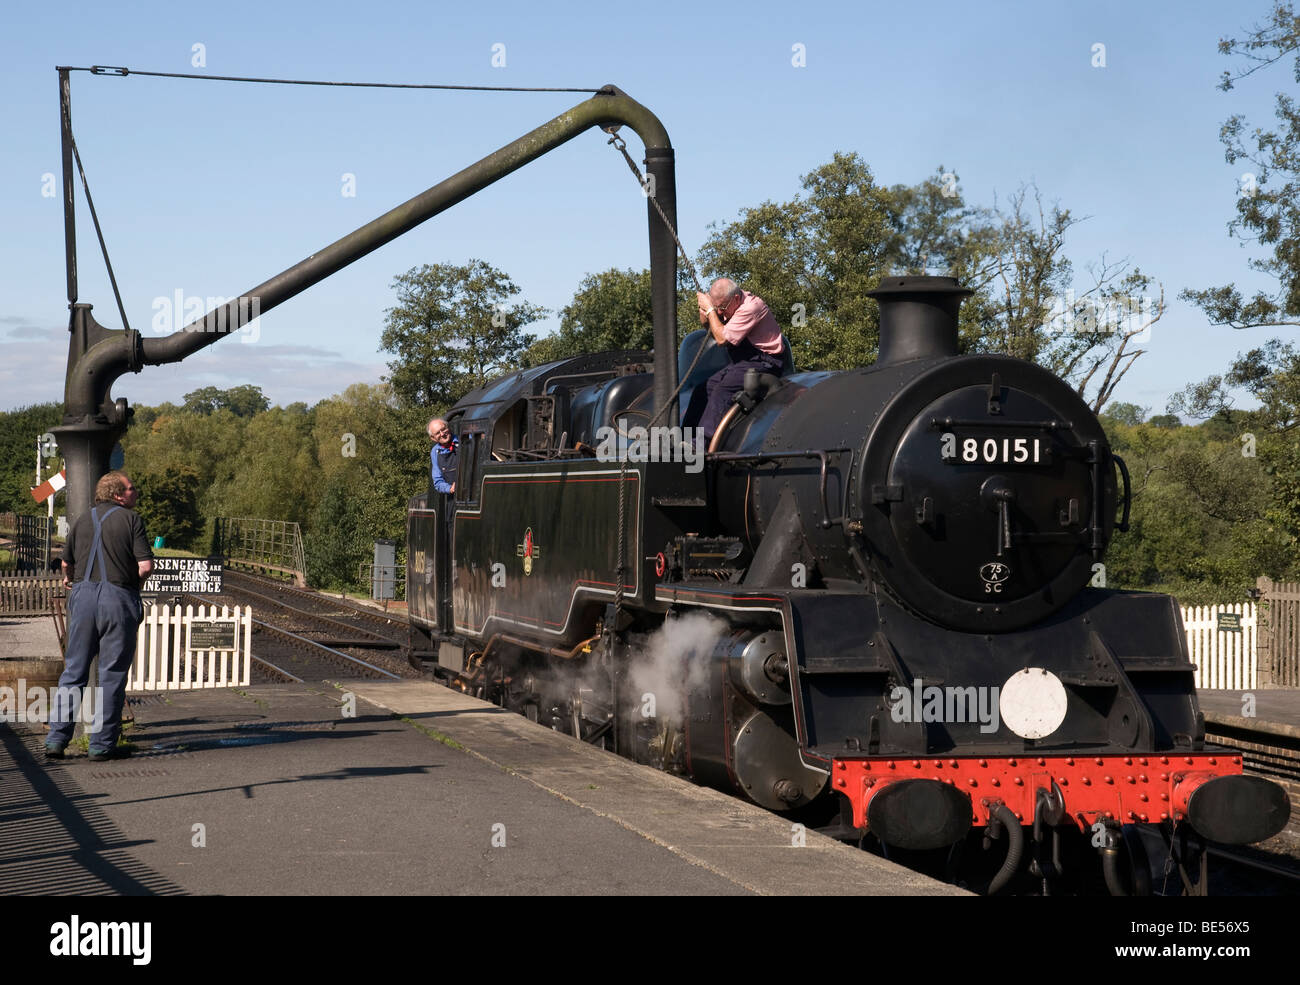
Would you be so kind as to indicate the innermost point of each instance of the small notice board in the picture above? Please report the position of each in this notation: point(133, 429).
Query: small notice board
point(211, 634)
point(1229, 622)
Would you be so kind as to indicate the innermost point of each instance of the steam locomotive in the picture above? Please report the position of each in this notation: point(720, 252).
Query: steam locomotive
point(868, 604)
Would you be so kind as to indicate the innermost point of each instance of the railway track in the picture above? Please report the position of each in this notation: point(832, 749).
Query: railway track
point(313, 602)
point(302, 636)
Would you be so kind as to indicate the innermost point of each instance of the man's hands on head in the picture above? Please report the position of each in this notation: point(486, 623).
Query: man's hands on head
point(706, 305)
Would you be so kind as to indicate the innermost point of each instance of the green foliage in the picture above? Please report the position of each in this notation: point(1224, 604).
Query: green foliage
point(1198, 524)
point(815, 258)
point(1126, 413)
point(812, 260)
point(19, 430)
point(1271, 374)
point(169, 504)
point(273, 474)
point(242, 401)
point(452, 331)
point(359, 450)
point(1268, 201)
point(336, 542)
point(610, 310)
point(206, 444)
point(378, 453)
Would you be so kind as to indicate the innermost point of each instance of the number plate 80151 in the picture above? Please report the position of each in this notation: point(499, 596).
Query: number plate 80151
point(1003, 450)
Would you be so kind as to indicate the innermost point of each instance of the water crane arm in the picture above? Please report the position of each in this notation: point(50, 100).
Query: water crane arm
point(97, 356)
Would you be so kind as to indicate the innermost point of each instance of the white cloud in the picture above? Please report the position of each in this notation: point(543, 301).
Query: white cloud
point(32, 372)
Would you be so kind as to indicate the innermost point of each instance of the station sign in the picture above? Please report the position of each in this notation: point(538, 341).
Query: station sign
point(178, 575)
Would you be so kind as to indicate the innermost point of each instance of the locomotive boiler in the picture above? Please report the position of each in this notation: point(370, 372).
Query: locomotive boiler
point(867, 604)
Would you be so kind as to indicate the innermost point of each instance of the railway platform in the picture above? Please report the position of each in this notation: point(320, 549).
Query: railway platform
point(1270, 709)
point(402, 788)
point(387, 788)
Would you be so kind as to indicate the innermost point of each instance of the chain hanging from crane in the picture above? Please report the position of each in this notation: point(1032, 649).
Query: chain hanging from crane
point(621, 146)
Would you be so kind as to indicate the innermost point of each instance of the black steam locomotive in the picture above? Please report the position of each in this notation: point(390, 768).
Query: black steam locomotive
point(867, 603)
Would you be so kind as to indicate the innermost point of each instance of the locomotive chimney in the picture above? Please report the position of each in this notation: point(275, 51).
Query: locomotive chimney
point(918, 317)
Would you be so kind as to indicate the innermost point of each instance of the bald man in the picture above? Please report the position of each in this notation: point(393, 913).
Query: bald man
point(442, 456)
point(741, 322)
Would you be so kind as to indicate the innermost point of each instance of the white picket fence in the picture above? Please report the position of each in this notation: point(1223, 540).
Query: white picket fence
point(166, 660)
point(1224, 659)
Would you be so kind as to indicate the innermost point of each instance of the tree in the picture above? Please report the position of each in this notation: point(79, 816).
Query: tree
point(452, 331)
point(1267, 434)
point(273, 474)
point(336, 543)
point(374, 456)
point(19, 430)
point(242, 401)
point(169, 503)
point(1198, 527)
point(813, 259)
point(1026, 305)
point(1127, 414)
point(1268, 201)
point(610, 310)
point(172, 438)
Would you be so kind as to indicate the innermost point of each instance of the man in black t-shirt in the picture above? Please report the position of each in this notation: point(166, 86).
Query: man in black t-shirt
point(105, 561)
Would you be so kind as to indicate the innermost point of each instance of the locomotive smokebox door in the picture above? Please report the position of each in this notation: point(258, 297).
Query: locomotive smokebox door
point(986, 521)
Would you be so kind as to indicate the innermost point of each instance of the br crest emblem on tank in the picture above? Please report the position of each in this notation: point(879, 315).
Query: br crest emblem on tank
point(528, 550)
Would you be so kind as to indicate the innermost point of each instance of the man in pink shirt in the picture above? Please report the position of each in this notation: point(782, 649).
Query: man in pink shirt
point(742, 322)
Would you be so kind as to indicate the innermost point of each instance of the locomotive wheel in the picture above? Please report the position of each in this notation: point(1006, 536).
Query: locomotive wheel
point(1138, 863)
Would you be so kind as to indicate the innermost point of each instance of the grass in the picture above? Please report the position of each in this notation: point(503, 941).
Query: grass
point(434, 734)
point(82, 743)
point(172, 552)
point(264, 705)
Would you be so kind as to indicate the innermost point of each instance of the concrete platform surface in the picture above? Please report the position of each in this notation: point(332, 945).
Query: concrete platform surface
point(273, 789)
point(29, 638)
point(1274, 709)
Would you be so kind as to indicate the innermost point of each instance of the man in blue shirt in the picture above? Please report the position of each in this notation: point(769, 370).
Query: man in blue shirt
point(442, 456)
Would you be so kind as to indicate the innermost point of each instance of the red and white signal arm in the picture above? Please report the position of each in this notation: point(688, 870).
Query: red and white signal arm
point(50, 486)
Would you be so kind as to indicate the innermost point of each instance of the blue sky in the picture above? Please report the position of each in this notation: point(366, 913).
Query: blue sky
point(209, 188)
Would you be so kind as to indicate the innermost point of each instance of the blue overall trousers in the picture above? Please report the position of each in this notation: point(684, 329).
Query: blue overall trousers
point(103, 618)
point(723, 385)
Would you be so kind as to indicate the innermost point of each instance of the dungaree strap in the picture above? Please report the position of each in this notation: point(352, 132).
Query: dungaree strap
point(96, 544)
